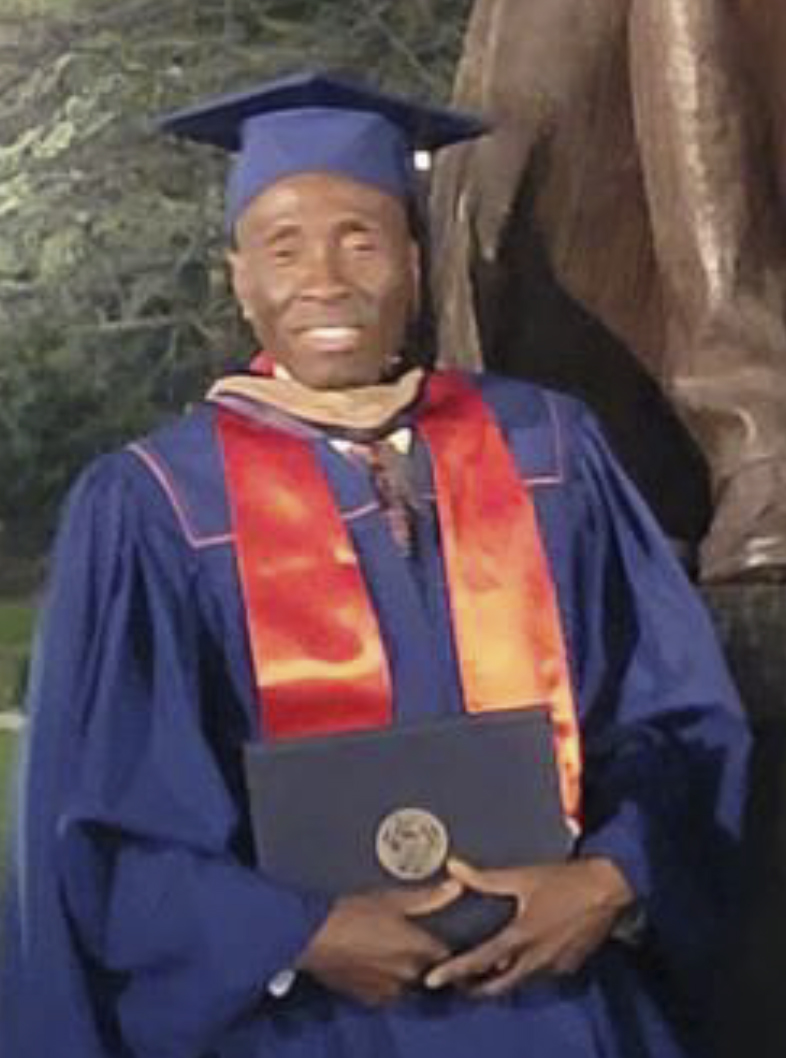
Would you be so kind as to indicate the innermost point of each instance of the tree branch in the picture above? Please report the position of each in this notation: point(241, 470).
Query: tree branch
point(400, 45)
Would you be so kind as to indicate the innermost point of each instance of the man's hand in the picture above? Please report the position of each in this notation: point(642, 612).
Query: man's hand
point(370, 949)
point(565, 912)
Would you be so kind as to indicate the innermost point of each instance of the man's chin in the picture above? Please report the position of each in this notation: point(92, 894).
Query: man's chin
point(341, 373)
point(326, 385)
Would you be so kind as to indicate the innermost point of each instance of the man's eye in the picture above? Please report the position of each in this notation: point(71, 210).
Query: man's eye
point(282, 254)
point(361, 243)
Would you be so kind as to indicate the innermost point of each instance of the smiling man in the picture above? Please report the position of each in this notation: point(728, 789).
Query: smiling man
point(341, 540)
point(326, 272)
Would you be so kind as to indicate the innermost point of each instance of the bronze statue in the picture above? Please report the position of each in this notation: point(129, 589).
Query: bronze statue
point(641, 145)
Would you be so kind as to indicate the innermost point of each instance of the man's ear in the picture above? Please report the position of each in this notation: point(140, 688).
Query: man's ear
point(415, 272)
point(239, 276)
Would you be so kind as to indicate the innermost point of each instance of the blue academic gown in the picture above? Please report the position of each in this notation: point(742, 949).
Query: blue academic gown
point(137, 924)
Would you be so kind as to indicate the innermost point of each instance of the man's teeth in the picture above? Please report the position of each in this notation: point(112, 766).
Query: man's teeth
point(332, 333)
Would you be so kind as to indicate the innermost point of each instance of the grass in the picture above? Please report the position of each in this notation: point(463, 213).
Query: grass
point(16, 626)
point(16, 622)
point(8, 745)
point(17, 617)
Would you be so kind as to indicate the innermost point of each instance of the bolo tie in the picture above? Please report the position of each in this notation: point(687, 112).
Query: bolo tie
point(392, 481)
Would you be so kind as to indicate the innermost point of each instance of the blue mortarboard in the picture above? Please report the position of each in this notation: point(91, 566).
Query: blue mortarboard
point(319, 123)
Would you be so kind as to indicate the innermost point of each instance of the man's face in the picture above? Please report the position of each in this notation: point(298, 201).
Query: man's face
point(326, 272)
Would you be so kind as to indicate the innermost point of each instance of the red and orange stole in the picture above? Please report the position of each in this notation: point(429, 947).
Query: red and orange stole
point(317, 651)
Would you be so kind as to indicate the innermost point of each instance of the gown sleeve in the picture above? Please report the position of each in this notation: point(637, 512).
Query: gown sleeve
point(666, 745)
point(139, 926)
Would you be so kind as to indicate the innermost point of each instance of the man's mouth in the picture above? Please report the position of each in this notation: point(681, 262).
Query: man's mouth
point(331, 338)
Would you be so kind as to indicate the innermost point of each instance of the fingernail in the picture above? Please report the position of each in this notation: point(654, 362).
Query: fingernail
point(433, 981)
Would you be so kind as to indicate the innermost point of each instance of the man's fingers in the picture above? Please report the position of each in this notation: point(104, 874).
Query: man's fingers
point(493, 882)
point(478, 962)
point(415, 902)
point(501, 983)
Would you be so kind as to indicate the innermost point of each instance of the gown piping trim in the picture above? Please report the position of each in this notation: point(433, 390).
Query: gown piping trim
point(160, 473)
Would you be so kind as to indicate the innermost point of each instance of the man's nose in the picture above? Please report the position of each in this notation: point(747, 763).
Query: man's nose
point(324, 277)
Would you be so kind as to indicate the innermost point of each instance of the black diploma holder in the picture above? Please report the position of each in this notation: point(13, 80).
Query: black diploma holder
point(346, 814)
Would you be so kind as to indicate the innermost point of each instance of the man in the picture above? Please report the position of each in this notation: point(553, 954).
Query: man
point(340, 541)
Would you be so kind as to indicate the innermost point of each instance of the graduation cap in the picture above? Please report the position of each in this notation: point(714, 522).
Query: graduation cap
point(316, 122)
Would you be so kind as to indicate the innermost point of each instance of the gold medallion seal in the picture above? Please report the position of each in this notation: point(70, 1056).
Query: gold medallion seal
point(412, 844)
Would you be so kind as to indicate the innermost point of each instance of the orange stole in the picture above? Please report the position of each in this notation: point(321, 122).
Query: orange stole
point(316, 647)
point(321, 668)
point(505, 617)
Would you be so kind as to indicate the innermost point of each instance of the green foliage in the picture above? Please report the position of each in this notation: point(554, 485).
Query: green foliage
point(114, 306)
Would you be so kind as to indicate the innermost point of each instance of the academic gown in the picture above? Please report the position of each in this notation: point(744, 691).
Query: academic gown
point(138, 925)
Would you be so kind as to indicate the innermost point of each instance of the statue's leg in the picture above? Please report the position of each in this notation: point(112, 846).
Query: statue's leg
point(764, 23)
point(452, 201)
point(722, 253)
point(524, 63)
